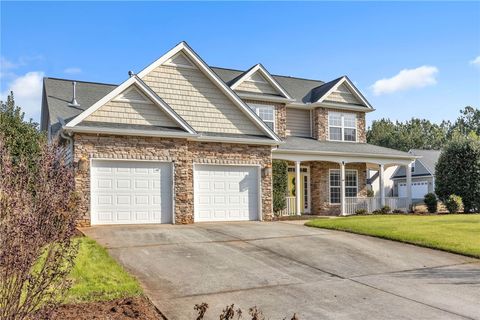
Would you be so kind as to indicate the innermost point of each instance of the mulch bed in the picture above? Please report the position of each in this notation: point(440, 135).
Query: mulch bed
point(120, 309)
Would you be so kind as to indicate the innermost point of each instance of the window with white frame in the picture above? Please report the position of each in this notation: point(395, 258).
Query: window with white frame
point(351, 185)
point(342, 126)
point(266, 113)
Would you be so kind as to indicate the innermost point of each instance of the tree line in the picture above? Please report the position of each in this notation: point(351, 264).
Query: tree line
point(422, 133)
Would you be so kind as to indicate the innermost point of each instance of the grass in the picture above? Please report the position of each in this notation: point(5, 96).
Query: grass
point(97, 277)
point(457, 233)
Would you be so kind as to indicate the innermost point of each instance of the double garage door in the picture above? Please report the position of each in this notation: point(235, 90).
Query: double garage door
point(141, 192)
point(419, 189)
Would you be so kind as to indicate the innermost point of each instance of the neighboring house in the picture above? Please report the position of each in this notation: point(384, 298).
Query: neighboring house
point(182, 142)
point(423, 175)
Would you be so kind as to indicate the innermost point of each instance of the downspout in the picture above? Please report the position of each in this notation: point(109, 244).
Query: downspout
point(69, 139)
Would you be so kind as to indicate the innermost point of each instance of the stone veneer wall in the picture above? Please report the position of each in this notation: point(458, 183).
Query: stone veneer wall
point(184, 153)
point(319, 185)
point(320, 124)
point(280, 116)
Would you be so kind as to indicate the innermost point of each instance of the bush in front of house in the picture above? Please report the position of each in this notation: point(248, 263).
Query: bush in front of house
point(361, 211)
point(38, 211)
point(386, 209)
point(398, 211)
point(453, 203)
point(458, 171)
point(431, 202)
point(280, 184)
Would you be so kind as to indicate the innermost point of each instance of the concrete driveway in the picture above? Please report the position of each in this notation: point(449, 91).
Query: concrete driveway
point(283, 267)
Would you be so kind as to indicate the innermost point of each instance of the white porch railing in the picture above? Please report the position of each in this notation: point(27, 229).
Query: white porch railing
point(373, 203)
point(289, 209)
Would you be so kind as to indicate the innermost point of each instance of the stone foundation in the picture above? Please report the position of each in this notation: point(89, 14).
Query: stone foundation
point(182, 152)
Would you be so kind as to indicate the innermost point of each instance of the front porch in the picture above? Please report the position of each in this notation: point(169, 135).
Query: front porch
point(335, 182)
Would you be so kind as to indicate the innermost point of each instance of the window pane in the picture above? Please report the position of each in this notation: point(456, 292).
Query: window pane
point(334, 178)
point(270, 124)
point(335, 119)
point(335, 195)
point(349, 120)
point(265, 113)
point(350, 192)
point(349, 134)
point(335, 133)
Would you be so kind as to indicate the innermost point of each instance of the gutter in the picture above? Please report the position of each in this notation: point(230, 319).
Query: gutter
point(179, 135)
point(348, 154)
point(311, 106)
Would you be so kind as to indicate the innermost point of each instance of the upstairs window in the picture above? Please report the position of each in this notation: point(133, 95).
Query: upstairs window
point(266, 113)
point(342, 126)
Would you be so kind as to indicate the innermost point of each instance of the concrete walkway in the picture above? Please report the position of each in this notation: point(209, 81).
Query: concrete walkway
point(285, 267)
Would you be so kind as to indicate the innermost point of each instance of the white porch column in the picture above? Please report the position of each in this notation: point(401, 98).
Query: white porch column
point(408, 174)
point(381, 176)
point(342, 188)
point(298, 184)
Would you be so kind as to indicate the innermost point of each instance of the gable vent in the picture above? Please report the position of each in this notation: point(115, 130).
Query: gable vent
point(74, 102)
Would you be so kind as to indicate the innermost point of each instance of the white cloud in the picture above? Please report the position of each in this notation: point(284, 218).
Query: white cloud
point(72, 70)
point(476, 61)
point(6, 64)
point(406, 79)
point(27, 90)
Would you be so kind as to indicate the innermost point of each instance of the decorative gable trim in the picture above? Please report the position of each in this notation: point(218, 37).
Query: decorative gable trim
point(266, 75)
point(346, 82)
point(131, 82)
point(184, 48)
point(181, 61)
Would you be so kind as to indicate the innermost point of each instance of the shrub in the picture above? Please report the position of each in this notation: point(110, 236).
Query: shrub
point(453, 203)
point(230, 313)
point(398, 211)
point(377, 212)
point(386, 209)
point(370, 193)
point(280, 184)
point(458, 171)
point(38, 210)
point(361, 211)
point(431, 202)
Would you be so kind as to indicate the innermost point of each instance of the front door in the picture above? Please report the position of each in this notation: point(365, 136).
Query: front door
point(304, 186)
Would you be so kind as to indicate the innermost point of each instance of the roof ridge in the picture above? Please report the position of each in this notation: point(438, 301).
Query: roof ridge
point(83, 81)
point(275, 75)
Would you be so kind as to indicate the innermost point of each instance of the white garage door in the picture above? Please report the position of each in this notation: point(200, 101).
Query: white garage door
point(131, 192)
point(226, 193)
point(419, 189)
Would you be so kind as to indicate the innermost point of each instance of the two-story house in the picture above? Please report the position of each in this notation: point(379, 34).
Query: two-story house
point(183, 142)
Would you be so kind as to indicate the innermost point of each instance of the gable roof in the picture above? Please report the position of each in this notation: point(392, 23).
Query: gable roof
point(321, 91)
point(195, 58)
point(259, 68)
point(424, 166)
point(333, 85)
point(134, 80)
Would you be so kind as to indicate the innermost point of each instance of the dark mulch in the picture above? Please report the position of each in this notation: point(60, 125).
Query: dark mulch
point(120, 309)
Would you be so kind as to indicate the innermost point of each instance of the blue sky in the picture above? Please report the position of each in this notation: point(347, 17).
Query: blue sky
point(409, 59)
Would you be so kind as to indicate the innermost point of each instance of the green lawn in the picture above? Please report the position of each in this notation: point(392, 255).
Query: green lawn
point(458, 233)
point(97, 277)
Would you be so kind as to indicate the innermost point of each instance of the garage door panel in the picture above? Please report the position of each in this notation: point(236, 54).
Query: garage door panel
point(226, 193)
point(129, 192)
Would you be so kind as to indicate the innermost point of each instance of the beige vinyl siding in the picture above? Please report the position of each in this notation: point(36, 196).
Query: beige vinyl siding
point(343, 97)
point(298, 122)
point(199, 101)
point(143, 113)
point(261, 85)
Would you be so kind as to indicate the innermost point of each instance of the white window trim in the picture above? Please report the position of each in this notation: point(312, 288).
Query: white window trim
point(330, 187)
point(255, 108)
point(342, 127)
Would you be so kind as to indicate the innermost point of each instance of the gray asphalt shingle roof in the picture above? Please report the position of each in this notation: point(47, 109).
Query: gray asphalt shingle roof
point(310, 144)
point(423, 166)
point(59, 95)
